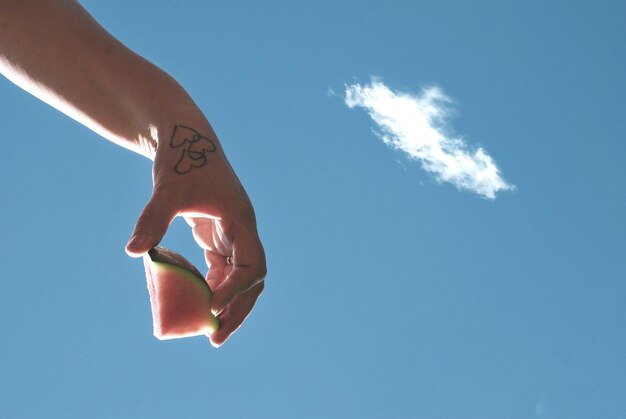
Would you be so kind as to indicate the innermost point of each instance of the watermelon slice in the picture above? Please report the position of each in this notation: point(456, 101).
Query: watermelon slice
point(179, 296)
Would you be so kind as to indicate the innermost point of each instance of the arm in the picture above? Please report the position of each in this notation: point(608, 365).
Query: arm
point(56, 51)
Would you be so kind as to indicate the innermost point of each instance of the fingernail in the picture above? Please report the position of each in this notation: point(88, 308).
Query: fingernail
point(138, 242)
point(216, 311)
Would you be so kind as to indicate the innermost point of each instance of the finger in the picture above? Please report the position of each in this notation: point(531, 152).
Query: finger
point(236, 314)
point(209, 235)
point(151, 226)
point(248, 270)
point(218, 269)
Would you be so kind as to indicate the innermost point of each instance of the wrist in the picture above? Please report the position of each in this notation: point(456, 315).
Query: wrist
point(162, 106)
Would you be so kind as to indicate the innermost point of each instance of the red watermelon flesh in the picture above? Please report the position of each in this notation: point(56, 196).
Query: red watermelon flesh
point(179, 296)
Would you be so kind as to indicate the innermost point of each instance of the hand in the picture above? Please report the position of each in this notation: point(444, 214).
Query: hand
point(192, 178)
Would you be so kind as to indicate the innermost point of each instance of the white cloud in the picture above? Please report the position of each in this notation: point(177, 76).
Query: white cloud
point(418, 125)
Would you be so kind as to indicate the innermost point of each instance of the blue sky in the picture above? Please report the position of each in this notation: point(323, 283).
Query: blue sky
point(389, 293)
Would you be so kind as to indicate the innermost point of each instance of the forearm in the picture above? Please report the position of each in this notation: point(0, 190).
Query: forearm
point(56, 51)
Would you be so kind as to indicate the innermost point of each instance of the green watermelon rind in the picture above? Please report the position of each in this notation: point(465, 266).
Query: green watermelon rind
point(161, 254)
point(188, 275)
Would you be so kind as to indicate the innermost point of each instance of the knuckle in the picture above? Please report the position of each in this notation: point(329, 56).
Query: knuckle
point(146, 218)
point(261, 273)
point(258, 271)
point(147, 221)
point(253, 278)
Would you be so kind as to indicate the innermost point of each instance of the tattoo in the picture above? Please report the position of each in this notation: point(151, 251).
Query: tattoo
point(194, 148)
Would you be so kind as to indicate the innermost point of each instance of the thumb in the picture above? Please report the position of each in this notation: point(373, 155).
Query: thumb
point(150, 227)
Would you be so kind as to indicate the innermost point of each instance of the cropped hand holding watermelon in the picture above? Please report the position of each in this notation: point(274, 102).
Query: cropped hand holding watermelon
point(213, 202)
point(193, 179)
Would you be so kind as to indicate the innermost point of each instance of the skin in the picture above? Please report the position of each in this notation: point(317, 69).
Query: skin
point(56, 51)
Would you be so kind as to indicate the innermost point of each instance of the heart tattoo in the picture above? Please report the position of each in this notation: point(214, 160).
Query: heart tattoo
point(194, 148)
